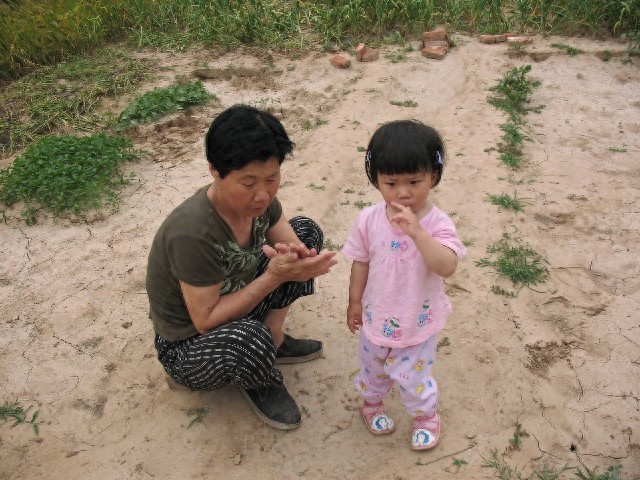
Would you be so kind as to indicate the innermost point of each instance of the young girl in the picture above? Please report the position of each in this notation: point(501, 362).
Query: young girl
point(401, 249)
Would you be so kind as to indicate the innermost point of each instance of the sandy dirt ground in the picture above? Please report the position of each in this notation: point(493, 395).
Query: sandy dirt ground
point(562, 361)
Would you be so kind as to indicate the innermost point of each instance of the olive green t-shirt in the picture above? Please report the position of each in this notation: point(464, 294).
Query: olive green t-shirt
point(195, 245)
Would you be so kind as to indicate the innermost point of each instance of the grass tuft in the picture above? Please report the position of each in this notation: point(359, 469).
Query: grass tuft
point(504, 200)
point(572, 51)
point(65, 96)
point(519, 263)
point(16, 413)
point(162, 101)
point(67, 173)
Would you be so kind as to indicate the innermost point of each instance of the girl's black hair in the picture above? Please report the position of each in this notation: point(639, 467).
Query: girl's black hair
point(243, 134)
point(404, 146)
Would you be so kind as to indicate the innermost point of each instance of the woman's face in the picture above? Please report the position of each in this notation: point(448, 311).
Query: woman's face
point(249, 191)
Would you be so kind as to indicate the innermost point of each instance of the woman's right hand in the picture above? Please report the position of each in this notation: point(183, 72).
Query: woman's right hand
point(292, 265)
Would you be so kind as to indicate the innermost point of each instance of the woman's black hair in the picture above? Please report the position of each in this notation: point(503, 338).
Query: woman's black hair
point(404, 146)
point(243, 134)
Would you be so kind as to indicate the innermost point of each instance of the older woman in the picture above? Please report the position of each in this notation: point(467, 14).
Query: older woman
point(226, 265)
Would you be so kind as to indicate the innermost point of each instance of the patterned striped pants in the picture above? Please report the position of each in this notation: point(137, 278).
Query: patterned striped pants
point(241, 352)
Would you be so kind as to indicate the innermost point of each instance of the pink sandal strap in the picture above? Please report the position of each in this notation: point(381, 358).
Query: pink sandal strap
point(377, 419)
point(426, 432)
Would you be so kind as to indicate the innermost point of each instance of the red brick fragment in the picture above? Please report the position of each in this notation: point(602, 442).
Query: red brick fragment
point(436, 52)
point(366, 54)
point(340, 61)
point(439, 33)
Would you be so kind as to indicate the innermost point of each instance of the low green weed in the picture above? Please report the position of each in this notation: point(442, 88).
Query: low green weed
point(67, 173)
point(506, 201)
point(634, 42)
point(518, 435)
point(308, 125)
point(396, 57)
point(360, 204)
point(404, 103)
point(65, 95)
point(16, 413)
point(519, 263)
point(503, 471)
point(511, 160)
point(513, 92)
point(572, 51)
point(162, 101)
point(612, 473)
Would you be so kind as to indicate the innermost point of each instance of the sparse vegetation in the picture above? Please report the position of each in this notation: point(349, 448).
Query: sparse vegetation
point(16, 413)
point(506, 201)
point(162, 101)
point(515, 261)
point(403, 103)
point(67, 174)
point(572, 51)
point(65, 95)
point(362, 204)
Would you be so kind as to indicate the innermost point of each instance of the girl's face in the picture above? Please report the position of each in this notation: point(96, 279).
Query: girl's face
point(408, 189)
point(249, 191)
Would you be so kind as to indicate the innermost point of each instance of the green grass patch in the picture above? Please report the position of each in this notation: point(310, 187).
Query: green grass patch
point(503, 471)
point(66, 95)
point(404, 103)
point(396, 57)
point(515, 261)
point(16, 413)
point(506, 201)
point(67, 174)
point(36, 32)
point(571, 51)
point(360, 204)
point(161, 101)
point(309, 125)
point(513, 92)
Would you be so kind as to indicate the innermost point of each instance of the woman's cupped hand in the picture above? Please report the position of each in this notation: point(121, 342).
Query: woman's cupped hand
point(297, 263)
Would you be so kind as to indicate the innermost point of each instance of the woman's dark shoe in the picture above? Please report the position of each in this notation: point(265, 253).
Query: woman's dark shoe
point(295, 350)
point(274, 406)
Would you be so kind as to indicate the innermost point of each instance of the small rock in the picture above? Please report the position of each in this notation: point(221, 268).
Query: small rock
point(366, 54)
point(492, 38)
point(340, 61)
point(436, 43)
point(487, 38)
point(519, 40)
point(437, 53)
point(439, 33)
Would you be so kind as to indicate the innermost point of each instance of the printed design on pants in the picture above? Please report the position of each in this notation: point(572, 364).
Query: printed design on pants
point(390, 359)
point(419, 389)
point(368, 314)
point(426, 316)
point(391, 328)
point(363, 386)
point(418, 366)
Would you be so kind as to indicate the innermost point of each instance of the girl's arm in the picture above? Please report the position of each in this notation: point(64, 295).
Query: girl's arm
point(440, 259)
point(357, 284)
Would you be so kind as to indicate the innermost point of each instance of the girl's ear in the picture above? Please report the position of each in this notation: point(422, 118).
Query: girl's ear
point(434, 177)
point(214, 173)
